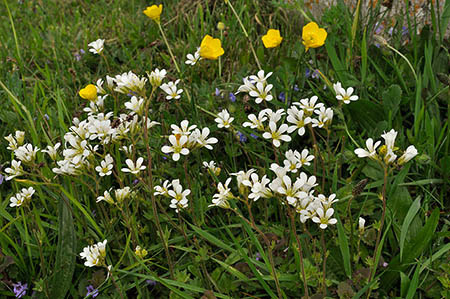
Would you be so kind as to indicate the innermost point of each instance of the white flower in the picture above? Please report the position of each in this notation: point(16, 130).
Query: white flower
point(260, 78)
point(16, 201)
point(389, 139)
point(298, 119)
point(243, 178)
point(390, 156)
point(410, 153)
point(179, 199)
point(274, 116)
point(15, 170)
point(163, 190)
point(134, 168)
point(99, 86)
point(324, 217)
point(12, 143)
point(277, 134)
point(292, 192)
point(184, 129)
point(136, 105)
point(106, 166)
point(52, 151)
point(109, 81)
point(221, 198)
point(106, 197)
point(122, 194)
point(223, 119)
point(247, 86)
point(308, 105)
point(20, 137)
point(327, 201)
point(292, 163)
point(361, 223)
point(156, 77)
point(171, 89)
point(94, 255)
point(177, 147)
point(211, 166)
point(305, 158)
point(371, 149)
point(204, 141)
point(261, 93)
point(256, 123)
point(344, 95)
point(22, 197)
point(26, 153)
point(192, 59)
point(96, 46)
point(259, 188)
point(129, 82)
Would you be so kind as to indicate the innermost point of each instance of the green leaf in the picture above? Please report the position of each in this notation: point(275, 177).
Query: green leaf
point(391, 101)
point(211, 238)
point(408, 219)
point(65, 252)
point(343, 245)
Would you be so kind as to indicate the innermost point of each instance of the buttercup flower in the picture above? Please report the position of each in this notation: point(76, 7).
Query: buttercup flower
point(272, 39)
point(313, 36)
point(154, 12)
point(89, 92)
point(211, 48)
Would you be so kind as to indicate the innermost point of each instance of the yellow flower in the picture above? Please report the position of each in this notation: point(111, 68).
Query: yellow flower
point(272, 39)
point(211, 48)
point(89, 93)
point(154, 12)
point(313, 36)
point(140, 252)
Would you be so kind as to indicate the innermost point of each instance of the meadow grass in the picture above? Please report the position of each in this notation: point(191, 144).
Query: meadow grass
point(253, 249)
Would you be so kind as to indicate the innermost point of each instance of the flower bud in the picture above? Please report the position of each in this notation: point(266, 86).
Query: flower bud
point(221, 26)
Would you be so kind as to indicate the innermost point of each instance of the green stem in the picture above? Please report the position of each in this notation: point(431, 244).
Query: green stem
point(245, 33)
point(168, 47)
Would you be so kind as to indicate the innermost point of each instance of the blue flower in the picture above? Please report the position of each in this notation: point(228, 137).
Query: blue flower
point(91, 291)
point(232, 97)
point(242, 137)
point(20, 289)
point(151, 282)
point(282, 96)
point(253, 136)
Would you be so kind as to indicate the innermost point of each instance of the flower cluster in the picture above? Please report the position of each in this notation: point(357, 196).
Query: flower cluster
point(175, 191)
point(388, 152)
point(94, 255)
point(289, 185)
point(185, 138)
point(22, 197)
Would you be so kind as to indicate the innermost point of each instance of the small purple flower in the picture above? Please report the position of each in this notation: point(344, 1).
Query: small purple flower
point(135, 182)
point(20, 289)
point(258, 256)
point(253, 136)
point(46, 116)
point(379, 28)
point(150, 282)
point(315, 74)
point(217, 93)
point(242, 137)
point(307, 73)
point(91, 291)
point(282, 96)
point(390, 30)
point(405, 31)
point(385, 264)
point(2, 178)
point(296, 87)
point(82, 52)
point(232, 97)
point(164, 158)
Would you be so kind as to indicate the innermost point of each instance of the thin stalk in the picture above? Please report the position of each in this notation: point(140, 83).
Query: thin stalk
point(383, 216)
point(300, 251)
point(245, 33)
point(349, 212)
point(324, 247)
point(267, 242)
point(168, 47)
point(150, 184)
point(404, 57)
